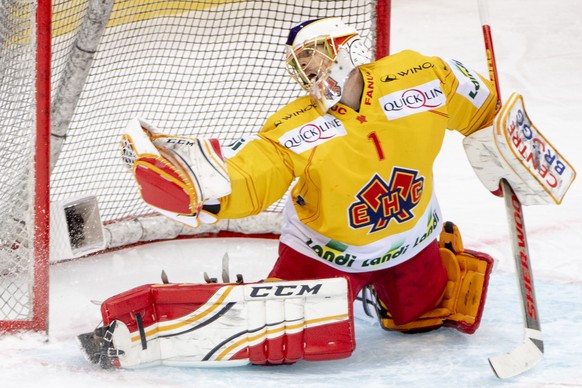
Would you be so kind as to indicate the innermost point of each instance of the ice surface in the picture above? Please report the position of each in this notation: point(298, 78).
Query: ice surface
point(538, 51)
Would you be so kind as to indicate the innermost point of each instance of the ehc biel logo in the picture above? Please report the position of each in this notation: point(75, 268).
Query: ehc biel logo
point(333, 89)
point(379, 202)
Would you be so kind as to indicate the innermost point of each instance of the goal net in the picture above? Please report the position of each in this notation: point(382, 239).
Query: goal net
point(209, 68)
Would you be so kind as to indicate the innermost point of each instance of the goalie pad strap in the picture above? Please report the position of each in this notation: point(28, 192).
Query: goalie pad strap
point(231, 324)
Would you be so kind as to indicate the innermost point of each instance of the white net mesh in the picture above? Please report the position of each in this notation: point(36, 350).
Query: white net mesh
point(206, 68)
point(17, 138)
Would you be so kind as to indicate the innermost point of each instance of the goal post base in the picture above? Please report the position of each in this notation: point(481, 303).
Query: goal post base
point(76, 228)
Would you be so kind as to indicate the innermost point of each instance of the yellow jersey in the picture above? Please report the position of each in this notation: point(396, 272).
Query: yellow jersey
point(363, 195)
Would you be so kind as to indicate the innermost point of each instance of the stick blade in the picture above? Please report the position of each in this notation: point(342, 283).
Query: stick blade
point(519, 360)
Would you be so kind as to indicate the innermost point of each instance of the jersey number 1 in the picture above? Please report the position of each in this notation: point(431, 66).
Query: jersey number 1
point(372, 136)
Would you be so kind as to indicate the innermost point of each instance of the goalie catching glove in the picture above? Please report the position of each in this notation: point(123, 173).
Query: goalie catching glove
point(181, 178)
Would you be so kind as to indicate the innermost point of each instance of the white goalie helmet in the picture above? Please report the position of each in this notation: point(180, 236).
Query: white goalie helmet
point(321, 54)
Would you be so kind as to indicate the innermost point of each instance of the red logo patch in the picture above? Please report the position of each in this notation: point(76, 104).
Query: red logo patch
point(379, 202)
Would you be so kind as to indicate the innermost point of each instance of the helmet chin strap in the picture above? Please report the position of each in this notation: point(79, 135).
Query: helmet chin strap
point(328, 90)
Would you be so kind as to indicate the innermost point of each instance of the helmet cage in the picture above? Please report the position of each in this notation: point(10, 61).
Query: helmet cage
point(321, 51)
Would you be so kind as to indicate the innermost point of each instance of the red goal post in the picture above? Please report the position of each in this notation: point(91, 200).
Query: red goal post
point(25, 68)
point(210, 68)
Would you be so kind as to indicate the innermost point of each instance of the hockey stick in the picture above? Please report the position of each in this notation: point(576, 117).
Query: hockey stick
point(527, 354)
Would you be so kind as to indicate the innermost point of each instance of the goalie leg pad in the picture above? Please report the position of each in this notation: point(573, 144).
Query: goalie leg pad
point(461, 305)
point(230, 324)
point(469, 272)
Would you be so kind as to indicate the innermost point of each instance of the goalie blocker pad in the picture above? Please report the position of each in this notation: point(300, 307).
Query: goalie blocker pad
point(224, 324)
point(513, 149)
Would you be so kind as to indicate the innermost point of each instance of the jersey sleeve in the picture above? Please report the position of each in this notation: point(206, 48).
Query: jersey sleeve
point(471, 99)
point(260, 174)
